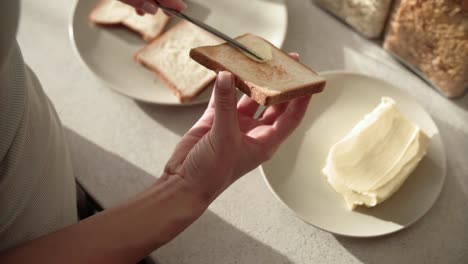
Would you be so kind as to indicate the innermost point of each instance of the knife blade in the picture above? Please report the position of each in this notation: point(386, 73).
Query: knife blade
point(212, 30)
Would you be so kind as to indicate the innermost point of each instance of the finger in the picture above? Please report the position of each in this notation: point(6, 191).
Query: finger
point(206, 119)
point(287, 121)
point(190, 139)
point(247, 106)
point(211, 104)
point(140, 12)
point(207, 116)
point(184, 147)
point(225, 119)
point(149, 7)
point(271, 113)
point(143, 6)
point(195, 133)
point(173, 4)
point(294, 55)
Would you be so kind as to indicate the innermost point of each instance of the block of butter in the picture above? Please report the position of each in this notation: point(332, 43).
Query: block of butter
point(376, 157)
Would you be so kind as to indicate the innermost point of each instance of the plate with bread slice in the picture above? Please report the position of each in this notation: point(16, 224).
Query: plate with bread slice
point(366, 161)
point(147, 57)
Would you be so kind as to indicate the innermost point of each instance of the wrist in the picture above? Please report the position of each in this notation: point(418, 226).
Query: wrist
point(177, 204)
point(183, 193)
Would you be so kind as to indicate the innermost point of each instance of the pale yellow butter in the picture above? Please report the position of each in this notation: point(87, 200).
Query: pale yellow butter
point(259, 47)
point(375, 158)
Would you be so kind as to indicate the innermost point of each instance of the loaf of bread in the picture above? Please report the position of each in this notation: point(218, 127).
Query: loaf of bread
point(168, 57)
point(366, 16)
point(113, 12)
point(432, 35)
point(279, 78)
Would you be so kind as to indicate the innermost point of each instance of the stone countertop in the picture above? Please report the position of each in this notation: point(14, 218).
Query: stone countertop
point(120, 145)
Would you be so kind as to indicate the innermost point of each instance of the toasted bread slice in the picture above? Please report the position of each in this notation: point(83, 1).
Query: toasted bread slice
point(280, 78)
point(168, 56)
point(113, 12)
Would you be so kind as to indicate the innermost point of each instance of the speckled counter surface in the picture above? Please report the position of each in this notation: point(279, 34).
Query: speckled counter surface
point(119, 145)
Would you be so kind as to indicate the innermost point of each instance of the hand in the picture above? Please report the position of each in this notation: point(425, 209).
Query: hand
point(150, 6)
point(227, 141)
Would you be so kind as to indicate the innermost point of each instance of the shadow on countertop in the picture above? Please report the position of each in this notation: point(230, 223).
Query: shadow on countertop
point(202, 11)
point(279, 2)
point(186, 115)
point(442, 233)
point(107, 177)
point(111, 180)
point(462, 102)
point(327, 43)
point(196, 245)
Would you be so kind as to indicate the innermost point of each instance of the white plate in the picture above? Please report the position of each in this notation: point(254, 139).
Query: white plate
point(108, 52)
point(294, 173)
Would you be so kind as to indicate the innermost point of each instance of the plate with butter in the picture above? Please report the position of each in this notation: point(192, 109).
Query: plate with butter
point(366, 161)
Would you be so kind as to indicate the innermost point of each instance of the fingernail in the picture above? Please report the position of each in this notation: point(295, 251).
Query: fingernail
point(149, 7)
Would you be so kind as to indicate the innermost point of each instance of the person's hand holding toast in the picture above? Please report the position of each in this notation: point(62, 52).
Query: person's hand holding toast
point(151, 6)
point(227, 141)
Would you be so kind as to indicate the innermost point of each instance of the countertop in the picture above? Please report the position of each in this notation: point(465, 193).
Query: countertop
point(119, 146)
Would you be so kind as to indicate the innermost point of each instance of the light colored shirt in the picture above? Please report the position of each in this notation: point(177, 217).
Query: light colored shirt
point(37, 187)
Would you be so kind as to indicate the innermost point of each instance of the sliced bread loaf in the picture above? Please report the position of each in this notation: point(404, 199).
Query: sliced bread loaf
point(113, 12)
point(168, 57)
point(366, 16)
point(280, 78)
point(432, 35)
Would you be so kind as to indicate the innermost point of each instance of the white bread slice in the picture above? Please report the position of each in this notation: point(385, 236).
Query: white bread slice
point(276, 80)
point(168, 56)
point(113, 12)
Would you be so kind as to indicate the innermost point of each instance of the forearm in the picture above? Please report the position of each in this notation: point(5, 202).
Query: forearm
point(124, 234)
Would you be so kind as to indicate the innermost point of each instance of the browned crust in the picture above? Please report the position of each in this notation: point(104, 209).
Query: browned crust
point(255, 92)
point(163, 77)
point(144, 36)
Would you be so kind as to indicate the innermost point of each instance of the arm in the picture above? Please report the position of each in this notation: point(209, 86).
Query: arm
point(124, 234)
point(9, 11)
point(225, 143)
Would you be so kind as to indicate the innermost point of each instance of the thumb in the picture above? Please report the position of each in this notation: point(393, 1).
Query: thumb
point(225, 120)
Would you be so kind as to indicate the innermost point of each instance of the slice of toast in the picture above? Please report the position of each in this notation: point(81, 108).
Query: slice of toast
point(168, 57)
point(113, 12)
point(280, 78)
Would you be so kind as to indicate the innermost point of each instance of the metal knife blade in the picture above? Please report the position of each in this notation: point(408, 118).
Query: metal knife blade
point(212, 30)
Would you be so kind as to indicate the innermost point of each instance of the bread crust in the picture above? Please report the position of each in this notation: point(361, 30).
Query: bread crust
point(163, 77)
point(256, 92)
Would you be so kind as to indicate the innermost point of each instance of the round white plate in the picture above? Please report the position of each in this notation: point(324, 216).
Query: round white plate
point(294, 173)
point(109, 52)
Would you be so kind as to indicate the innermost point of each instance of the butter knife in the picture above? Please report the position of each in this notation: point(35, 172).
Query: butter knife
point(212, 30)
